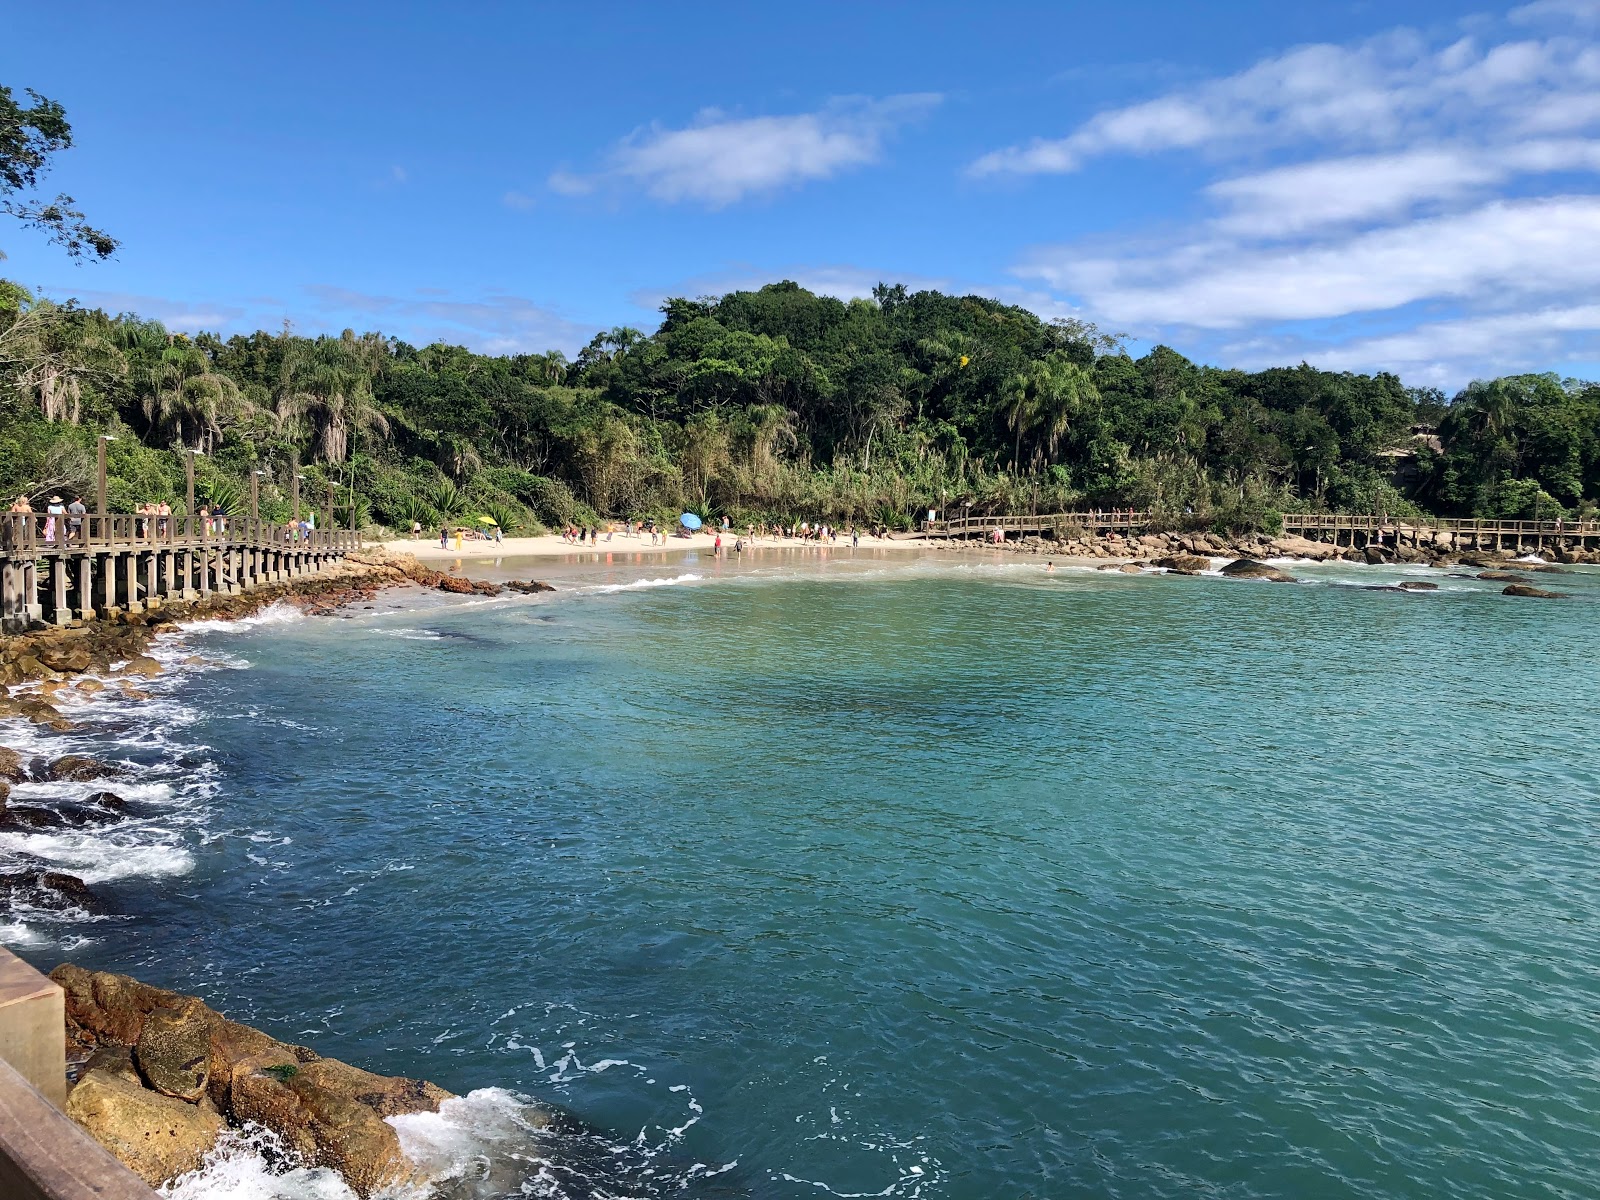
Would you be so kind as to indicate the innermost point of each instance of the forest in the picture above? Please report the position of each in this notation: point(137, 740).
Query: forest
point(767, 405)
point(774, 404)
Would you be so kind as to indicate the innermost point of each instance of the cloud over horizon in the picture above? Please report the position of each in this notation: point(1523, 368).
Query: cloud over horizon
point(718, 160)
point(1428, 193)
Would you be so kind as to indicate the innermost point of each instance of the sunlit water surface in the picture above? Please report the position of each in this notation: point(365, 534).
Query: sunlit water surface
point(855, 876)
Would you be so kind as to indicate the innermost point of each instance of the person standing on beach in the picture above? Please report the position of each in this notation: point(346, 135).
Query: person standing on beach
point(717, 548)
point(444, 537)
point(416, 530)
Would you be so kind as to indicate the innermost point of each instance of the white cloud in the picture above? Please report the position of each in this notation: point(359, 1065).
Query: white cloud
point(494, 323)
point(1527, 247)
point(1305, 197)
point(177, 315)
point(1384, 92)
point(719, 159)
point(1446, 353)
point(518, 200)
point(1445, 193)
point(1541, 12)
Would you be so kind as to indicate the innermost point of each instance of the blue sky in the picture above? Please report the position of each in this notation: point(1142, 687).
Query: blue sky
point(1406, 185)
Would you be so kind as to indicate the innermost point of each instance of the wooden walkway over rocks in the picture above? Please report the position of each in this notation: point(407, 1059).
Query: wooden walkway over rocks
point(1341, 529)
point(106, 564)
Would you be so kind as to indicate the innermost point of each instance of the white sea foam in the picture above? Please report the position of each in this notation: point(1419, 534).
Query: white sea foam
point(688, 577)
point(240, 1167)
point(273, 614)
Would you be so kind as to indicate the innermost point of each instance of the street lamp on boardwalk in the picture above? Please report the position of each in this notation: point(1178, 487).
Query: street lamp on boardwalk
point(188, 478)
point(100, 493)
point(294, 484)
point(255, 495)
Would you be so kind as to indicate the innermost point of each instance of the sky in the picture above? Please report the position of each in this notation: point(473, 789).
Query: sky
point(1408, 186)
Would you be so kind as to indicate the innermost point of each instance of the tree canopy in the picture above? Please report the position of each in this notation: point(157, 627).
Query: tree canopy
point(775, 403)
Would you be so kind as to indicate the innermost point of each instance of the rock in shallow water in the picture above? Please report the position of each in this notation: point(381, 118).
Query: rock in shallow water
point(328, 1113)
point(155, 1136)
point(1249, 568)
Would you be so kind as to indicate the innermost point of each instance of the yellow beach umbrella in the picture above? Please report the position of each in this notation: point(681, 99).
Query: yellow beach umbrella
point(481, 520)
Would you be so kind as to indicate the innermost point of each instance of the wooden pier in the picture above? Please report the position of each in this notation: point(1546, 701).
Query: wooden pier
point(1095, 521)
point(1444, 533)
point(1356, 530)
point(99, 565)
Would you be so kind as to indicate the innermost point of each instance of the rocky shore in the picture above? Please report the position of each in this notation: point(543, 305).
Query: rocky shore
point(114, 652)
point(159, 1076)
point(1193, 554)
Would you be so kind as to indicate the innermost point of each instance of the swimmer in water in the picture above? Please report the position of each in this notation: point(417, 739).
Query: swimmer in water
point(1049, 568)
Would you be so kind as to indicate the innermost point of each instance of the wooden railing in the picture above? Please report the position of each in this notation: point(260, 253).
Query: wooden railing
point(1095, 519)
point(1369, 521)
point(25, 535)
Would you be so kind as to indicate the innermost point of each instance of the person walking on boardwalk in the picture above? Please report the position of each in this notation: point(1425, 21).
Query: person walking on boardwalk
point(76, 511)
point(54, 511)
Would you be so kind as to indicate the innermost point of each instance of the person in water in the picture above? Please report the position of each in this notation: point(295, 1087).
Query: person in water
point(1049, 568)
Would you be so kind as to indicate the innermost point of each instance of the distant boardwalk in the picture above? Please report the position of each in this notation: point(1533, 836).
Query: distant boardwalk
point(1341, 529)
point(106, 565)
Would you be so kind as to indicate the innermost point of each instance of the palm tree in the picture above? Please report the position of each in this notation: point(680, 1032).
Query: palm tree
point(1020, 406)
point(328, 382)
point(184, 400)
point(52, 351)
point(1062, 389)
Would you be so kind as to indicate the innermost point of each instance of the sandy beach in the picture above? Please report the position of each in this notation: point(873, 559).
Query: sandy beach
point(552, 545)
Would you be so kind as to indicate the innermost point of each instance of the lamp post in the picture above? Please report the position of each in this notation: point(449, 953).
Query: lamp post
point(331, 524)
point(100, 492)
point(255, 495)
point(294, 485)
point(188, 478)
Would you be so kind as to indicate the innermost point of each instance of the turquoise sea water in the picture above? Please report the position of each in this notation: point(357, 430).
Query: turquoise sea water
point(913, 878)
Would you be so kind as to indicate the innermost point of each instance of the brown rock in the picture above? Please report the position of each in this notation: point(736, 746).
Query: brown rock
point(174, 1050)
point(75, 659)
point(11, 767)
point(114, 1060)
point(333, 1116)
point(1523, 589)
point(1504, 577)
point(75, 768)
point(1418, 585)
point(144, 666)
point(1248, 568)
point(1131, 569)
point(1188, 563)
point(102, 1007)
point(156, 1137)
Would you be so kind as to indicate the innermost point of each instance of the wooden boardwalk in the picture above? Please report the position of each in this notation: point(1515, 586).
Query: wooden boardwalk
point(1093, 521)
point(77, 568)
point(1342, 529)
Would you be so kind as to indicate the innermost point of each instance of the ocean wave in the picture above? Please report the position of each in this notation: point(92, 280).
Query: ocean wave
point(635, 585)
point(273, 614)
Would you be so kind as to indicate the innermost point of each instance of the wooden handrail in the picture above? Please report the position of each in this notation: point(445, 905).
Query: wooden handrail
point(24, 535)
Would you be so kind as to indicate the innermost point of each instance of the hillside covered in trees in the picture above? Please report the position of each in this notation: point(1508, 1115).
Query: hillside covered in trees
point(775, 404)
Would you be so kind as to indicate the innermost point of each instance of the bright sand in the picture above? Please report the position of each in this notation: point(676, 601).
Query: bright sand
point(552, 545)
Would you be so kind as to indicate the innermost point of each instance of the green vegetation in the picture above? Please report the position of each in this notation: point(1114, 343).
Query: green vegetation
point(770, 404)
point(774, 404)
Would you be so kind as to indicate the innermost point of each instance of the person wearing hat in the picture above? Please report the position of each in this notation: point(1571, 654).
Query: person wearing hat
point(54, 510)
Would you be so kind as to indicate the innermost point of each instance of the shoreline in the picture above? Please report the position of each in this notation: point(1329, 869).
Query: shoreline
point(379, 571)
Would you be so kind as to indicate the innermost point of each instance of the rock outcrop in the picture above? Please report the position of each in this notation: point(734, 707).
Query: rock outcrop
point(1523, 589)
point(1248, 568)
point(165, 1064)
point(76, 768)
point(156, 1137)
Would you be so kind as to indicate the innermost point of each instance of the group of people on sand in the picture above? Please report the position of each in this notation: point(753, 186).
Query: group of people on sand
point(462, 533)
